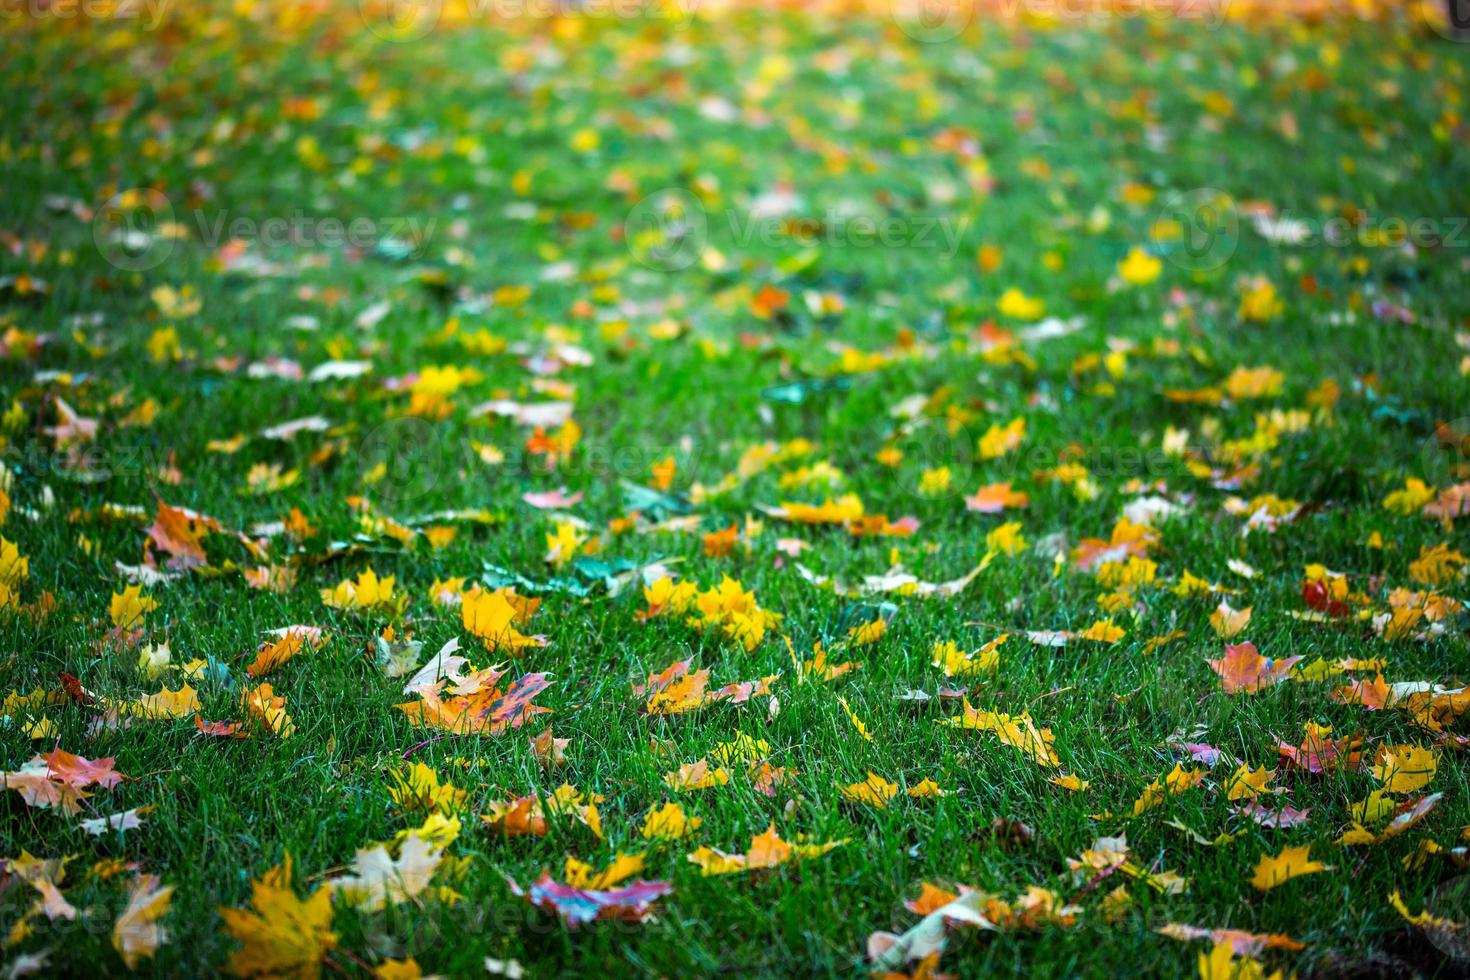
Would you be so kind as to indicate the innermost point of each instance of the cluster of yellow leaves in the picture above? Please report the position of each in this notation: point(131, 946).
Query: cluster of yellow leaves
point(367, 593)
point(955, 662)
point(418, 789)
point(676, 690)
point(767, 850)
point(1109, 854)
point(1175, 782)
point(1017, 731)
point(727, 608)
point(527, 816)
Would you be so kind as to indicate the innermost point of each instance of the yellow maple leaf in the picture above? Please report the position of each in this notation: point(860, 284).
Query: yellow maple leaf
point(169, 704)
point(1439, 565)
point(874, 791)
point(866, 633)
point(418, 788)
point(129, 606)
point(491, 617)
point(1006, 539)
point(136, 933)
point(1228, 622)
point(696, 775)
point(283, 936)
point(14, 567)
point(1138, 268)
point(928, 789)
point(265, 705)
point(668, 822)
point(1017, 731)
point(1404, 768)
point(580, 874)
point(1000, 440)
point(1103, 631)
point(1292, 862)
point(1246, 783)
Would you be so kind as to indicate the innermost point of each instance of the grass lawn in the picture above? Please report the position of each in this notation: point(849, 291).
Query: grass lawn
point(1026, 366)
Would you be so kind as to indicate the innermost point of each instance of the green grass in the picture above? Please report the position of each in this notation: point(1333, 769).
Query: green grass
point(851, 113)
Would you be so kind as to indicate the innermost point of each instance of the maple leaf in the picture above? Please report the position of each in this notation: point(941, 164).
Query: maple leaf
point(220, 729)
point(378, 879)
point(37, 787)
point(367, 592)
point(418, 788)
point(948, 657)
point(14, 567)
point(1246, 783)
point(179, 531)
point(668, 822)
point(491, 617)
point(129, 606)
point(924, 942)
point(1318, 753)
point(289, 641)
point(578, 906)
point(1412, 815)
point(1001, 440)
point(874, 791)
point(580, 874)
point(283, 936)
point(487, 711)
point(1241, 942)
point(1292, 862)
point(1175, 782)
point(674, 689)
point(696, 775)
point(1227, 622)
point(169, 703)
point(1017, 731)
point(1102, 631)
point(263, 704)
point(766, 851)
point(928, 789)
point(548, 750)
point(521, 817)
point(1404, 768)
point(1374, 695)
point(137, 933)
point(995, 498)
point(1244, 669)
point(1437, 565)
point(126, 820)
point(79, 772)
point(1264, 816)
